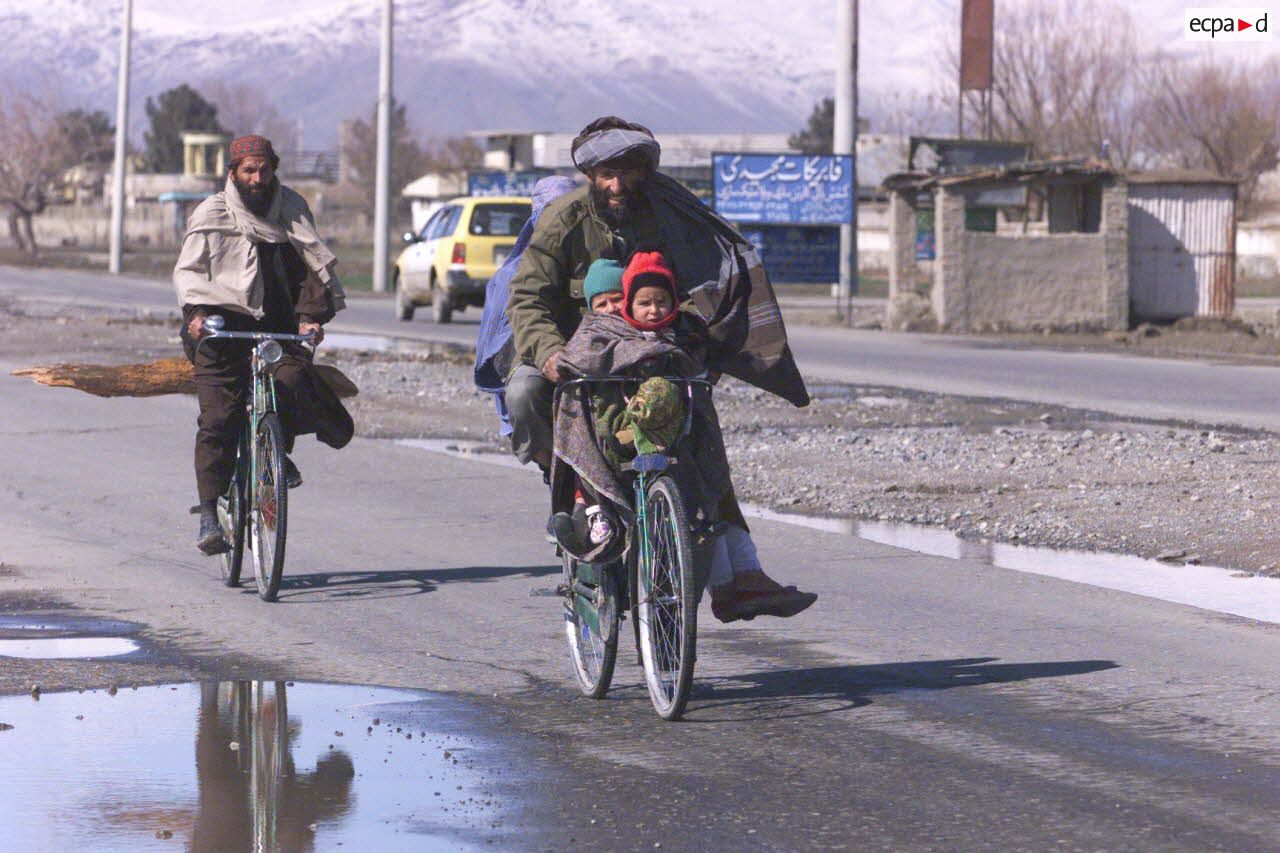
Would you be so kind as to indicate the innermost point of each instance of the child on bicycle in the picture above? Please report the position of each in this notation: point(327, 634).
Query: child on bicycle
point(635, 328)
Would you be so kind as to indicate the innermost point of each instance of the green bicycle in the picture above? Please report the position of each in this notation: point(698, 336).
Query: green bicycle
point(655, 578)
point(254, 511)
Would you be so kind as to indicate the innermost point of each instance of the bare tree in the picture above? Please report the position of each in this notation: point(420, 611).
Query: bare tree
point(451, 155)
point(1220, 116)
point(906, 112)
point(1065, 79)
point(361, 150)
point(244, 109)
point(33, 154)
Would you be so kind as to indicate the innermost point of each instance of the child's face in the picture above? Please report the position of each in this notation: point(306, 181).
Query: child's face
point(651, 304)
point(609, 302)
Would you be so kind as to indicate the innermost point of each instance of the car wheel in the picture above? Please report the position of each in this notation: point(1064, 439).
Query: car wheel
point(441, 310)
point(404, 305)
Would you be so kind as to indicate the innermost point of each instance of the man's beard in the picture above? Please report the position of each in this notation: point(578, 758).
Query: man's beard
point(613, 214)
point(256, 198)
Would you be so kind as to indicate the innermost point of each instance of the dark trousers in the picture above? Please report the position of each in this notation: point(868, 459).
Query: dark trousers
point(305, 403)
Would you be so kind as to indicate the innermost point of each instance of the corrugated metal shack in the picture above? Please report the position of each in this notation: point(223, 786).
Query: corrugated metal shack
point(1182, 237)
point(1022, 246)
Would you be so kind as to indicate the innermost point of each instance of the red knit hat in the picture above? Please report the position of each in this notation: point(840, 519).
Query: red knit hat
point(656, 272)
point(253, 146)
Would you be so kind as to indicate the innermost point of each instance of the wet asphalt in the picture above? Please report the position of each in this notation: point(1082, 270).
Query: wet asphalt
point(924, 703)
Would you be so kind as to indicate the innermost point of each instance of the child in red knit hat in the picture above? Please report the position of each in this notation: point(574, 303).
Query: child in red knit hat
point(649, 297)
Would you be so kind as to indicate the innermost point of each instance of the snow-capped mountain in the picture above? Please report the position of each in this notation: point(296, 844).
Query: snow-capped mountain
point(705, 65)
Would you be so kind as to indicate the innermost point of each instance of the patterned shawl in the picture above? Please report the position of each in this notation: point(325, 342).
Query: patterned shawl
point(605, 345)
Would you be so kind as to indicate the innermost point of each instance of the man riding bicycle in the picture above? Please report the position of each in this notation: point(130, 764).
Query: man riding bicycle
point(628, 204)
point(252, 255)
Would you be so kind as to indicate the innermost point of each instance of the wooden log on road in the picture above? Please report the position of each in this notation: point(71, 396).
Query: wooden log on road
point(148, 379)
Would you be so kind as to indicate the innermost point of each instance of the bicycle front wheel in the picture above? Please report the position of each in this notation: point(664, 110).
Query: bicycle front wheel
point(232, 515)
point(591, 624)
point(667, 609)
point(269, 507)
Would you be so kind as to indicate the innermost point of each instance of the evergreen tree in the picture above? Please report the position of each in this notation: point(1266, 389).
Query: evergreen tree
point(818, 136)
point(172, 112)
point(88, 137)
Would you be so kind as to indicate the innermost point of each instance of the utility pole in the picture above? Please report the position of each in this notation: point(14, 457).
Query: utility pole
point(122, 133)
point(382, 194)
point(846, 137)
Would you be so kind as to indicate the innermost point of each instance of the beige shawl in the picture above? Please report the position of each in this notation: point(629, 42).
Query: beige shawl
point(218, 264)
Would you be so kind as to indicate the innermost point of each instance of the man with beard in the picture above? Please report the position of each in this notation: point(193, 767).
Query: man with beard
point(629, 206)
point(252, 255)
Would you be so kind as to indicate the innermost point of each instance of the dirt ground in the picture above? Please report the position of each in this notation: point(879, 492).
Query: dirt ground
point(999, 470)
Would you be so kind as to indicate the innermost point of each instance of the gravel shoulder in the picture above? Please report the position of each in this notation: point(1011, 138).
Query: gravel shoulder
point(986, 469)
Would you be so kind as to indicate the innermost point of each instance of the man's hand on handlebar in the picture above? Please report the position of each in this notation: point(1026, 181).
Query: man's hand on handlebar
point(195, 328)
point(312, 329)
point(551, 367)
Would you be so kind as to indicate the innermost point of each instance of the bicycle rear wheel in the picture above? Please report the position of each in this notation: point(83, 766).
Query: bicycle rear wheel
point(232, 515)
point(667, 608)
point(591, 624)
point(268, 507)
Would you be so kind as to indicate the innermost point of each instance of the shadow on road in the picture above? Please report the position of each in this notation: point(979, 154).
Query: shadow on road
point(335, 586)
point(787, 693)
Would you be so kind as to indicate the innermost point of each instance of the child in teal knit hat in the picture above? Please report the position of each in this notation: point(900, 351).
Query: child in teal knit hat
point(604, 280)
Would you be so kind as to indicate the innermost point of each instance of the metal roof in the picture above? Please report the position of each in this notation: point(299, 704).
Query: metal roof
point(1012, 174)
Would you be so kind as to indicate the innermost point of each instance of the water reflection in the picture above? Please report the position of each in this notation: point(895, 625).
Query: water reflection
point(251, 796)
point(278, 767)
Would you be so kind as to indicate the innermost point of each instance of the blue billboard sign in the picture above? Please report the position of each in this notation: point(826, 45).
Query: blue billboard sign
point(505, 183)
point(784, 189)
point(793, 255)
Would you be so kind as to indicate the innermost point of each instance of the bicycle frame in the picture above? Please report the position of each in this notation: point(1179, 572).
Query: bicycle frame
point(262, 396)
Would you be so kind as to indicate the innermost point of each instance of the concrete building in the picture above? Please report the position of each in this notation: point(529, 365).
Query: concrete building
point(1071, 273)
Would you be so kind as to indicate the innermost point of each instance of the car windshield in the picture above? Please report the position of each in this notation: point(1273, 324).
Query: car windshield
point(498, 220)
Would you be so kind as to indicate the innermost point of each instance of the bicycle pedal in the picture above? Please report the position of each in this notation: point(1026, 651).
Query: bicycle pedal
point(195, 510)
point(562, 589)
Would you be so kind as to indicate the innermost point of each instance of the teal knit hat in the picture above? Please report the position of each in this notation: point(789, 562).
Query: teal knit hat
point(603, 276)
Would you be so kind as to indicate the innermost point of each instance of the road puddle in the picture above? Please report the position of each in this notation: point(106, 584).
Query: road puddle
point(266, 766)
point(345, 340)
point(831, 391)
point(464, 449)
point(1209, 587)
point(68, 647)
point(62, 638)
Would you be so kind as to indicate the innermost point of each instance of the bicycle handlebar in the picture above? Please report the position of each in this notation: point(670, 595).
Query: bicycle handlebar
point(618, 380)
point(214, 332)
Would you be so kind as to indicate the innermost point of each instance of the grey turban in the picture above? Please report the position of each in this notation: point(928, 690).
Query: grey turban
point(610, 144)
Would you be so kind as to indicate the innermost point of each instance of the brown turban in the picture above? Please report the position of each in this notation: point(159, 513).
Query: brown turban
point(253, 146)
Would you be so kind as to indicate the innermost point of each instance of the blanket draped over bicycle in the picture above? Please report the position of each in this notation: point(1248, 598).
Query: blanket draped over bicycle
point(589, 419)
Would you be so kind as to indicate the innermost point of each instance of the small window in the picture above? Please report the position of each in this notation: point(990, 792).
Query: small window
point(432, 222)
point(1075, 208)
point(498, 220)
point(445, 220)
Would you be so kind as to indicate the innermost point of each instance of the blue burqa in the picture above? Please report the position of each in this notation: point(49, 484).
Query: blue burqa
point(495, 350)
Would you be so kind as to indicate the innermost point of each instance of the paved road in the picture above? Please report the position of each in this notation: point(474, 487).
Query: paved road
point(923, 703)
point(1167, 389)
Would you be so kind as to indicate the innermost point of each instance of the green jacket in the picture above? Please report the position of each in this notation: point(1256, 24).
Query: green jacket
point(546, 302)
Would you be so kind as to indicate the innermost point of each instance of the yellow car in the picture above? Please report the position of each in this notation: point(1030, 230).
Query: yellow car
point(448, 263)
